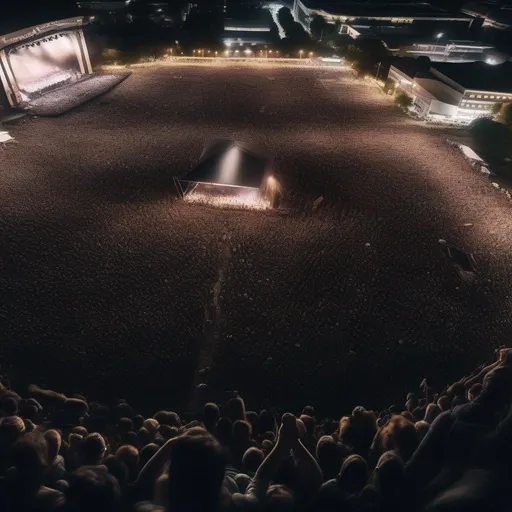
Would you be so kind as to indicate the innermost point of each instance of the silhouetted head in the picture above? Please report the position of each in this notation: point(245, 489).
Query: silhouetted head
point(93, 489)
point(168, 418)
point(210, 416)
point(147, 452)
point(53, 441)
point(223, 431)
point(196, 474)
point(328, 456)
point(252, 459)
point(129, 455)
point(432, 412)
point(94, 448)
point(353, 474)
point(236, 408)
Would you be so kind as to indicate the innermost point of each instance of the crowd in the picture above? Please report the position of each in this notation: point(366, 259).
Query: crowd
point(445, 451)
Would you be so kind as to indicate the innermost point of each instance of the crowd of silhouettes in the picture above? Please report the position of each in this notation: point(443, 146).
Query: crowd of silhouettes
point(444, 451)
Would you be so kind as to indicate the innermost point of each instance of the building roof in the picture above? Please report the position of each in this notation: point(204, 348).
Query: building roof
point(230, 163)
point(478, 75)
point(370, 9)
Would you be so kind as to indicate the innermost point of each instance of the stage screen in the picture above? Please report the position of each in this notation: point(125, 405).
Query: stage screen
point(45, 63)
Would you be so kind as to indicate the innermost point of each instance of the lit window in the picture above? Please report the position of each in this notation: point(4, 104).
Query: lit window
point(471, 95)
point(492, 97)
point(486, 96)
point(479, 96)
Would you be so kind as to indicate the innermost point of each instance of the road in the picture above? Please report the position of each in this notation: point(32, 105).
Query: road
point(108, 279)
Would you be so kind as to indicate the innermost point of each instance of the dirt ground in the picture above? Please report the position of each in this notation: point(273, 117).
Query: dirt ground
point(108, 279)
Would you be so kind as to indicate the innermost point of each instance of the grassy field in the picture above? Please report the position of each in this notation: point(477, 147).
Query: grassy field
point(108, 279)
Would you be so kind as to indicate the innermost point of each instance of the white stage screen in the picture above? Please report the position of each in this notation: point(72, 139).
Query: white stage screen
point(45, 63)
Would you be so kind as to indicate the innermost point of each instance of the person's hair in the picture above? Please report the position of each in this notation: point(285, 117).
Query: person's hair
point(474, 391)
point(151, 425)
point(329, 456)
point(196, 474)
point(309, 410)
point(130, 456)
point(144, 436)
point(457, 389)
point(408, 416)
point(210, 416)
point(252, 459)
point(398, 434)
point(353, 474)
point(9, 406)
point(309, 423)
point(242, 431)
point(93, 488)
point(11, 429)
point(123, 410)
point(432, 412)
point(124, 425)
point(279, 498)
point(412, 402)
point(80, 430)
point(167, 432)
point(389, 473)
point(223, 430)
point(236, 408)
point(254, 419)
point(422, 429)
point(94, 448)
point(53, 441)
point(147, 452)
point(168, 418)
point(444, 402)
point(138, 421)
point(358, 430)
point(29, 456)
point(118, 469)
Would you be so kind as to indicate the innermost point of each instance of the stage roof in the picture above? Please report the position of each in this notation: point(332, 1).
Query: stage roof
point(230, 163)
point(40, 30)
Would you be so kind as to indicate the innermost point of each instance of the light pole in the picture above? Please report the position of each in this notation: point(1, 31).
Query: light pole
point(300, 54)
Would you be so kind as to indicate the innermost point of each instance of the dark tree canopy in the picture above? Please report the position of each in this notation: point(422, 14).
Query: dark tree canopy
point(317, 27)
point(492, 139)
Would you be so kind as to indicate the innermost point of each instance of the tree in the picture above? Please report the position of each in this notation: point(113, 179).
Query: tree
point(496, 108)
point(403, 100)
point(492, 139)
point(285, 18)
point(317, 27)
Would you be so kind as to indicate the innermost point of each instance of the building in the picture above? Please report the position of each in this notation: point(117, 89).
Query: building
point(376, 13)
point(252, 32)
point(230, 174)
point(37, 59)
point(453, 92)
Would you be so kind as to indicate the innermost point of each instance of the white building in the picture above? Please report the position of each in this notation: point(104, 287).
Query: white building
point(454, 92)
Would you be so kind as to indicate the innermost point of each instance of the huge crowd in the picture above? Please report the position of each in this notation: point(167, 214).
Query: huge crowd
point(445, 451)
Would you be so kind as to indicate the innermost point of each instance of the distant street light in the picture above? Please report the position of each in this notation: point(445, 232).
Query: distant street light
point(438, 36)
point(300, 53)
point(247, 52)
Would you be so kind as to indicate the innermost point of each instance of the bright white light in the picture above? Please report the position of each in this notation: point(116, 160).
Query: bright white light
point(226, 53)
point(227, 197)
point(441, 34)
point(229, 165)
point(247, 52)
point(228, 43)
